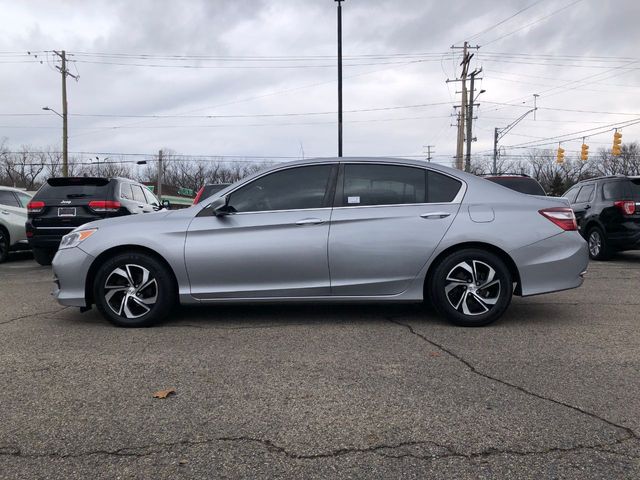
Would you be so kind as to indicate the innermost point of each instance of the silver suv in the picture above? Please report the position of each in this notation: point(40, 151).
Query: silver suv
point(13, 214)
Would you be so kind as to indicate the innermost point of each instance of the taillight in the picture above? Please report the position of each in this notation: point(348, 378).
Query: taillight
point(561, 216)
point(198, 195)
point(627, 206)
point(35, 207)
point(104, 206)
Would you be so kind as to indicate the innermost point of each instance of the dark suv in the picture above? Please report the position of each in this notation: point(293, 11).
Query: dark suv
point(63, 204)
point(517, 181)
point(608, 213)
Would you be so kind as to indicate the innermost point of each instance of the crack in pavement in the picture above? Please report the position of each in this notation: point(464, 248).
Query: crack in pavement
point(449, 452)
point(630, 434)
point(32, 315)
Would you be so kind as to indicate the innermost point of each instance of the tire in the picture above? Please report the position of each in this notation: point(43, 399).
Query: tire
point(598, 245)
point(471, 288)
point(134, 290)
point(44, 256)
point(5, 242)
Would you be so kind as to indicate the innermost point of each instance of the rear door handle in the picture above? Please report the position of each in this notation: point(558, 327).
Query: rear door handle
point(4, 212)
point(435, 215)
point(310, 221)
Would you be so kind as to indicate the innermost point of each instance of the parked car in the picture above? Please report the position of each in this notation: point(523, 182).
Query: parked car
point(62, 204)
point(607, 210)
point(13, 213)
point(207, 190)
point(330, 230)
point(517, 181)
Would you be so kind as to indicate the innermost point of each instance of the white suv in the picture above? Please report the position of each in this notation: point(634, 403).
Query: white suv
point(13, 215)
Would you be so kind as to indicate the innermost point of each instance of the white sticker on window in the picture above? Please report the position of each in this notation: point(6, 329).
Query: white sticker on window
point(353, 199)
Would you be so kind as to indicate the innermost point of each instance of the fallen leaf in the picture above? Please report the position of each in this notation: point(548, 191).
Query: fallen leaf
point(164, 393)
point(434, 354)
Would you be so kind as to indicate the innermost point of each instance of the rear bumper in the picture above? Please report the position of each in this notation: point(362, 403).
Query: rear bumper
point(627, 239)
point(553, 264)
point(70, 268)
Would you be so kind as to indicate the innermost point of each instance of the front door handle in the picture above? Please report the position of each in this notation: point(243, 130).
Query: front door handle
point(310, 221)
point(435, 215)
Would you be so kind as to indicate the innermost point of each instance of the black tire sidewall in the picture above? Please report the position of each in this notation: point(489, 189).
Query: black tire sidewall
point(604, 253)
point(441, 303)
point(43, 256)
point(166, 289)
point(6, 242)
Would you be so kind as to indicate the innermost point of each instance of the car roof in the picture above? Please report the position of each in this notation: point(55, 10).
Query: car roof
point(13, 189)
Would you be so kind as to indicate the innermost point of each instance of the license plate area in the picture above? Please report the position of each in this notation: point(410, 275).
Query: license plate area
point(67, 211)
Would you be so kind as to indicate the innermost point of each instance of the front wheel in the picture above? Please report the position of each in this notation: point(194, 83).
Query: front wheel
point(134, 290)
point(471, 287)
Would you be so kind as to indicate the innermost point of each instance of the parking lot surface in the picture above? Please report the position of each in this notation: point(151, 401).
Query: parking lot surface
point(550, 391)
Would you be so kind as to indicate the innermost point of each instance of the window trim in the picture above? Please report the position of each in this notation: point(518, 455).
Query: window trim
point(13, 195)
point(338, 187)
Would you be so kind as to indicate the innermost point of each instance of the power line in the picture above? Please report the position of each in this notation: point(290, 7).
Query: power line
point(505, 20)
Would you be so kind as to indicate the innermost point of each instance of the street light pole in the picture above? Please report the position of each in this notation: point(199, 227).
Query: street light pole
point(339, 77)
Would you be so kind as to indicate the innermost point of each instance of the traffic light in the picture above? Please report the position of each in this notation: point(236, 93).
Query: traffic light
point(617, 142)
point(584, 153)
point(560, 155)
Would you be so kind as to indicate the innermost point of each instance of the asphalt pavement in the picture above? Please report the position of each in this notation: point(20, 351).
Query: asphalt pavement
point(356, 391)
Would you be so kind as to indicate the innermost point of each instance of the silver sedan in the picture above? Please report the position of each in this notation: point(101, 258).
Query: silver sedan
point(330, 230)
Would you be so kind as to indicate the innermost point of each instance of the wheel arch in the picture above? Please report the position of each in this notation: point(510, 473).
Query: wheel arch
point(104, 256)
point(504, 256)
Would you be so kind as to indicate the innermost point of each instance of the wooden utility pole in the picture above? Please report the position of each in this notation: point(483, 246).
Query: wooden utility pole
point(65, 135)
point(160, 175)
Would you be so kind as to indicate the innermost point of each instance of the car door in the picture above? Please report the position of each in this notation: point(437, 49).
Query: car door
point(12, 216)
point(274, 244)
point(582, 203)
point(387, 221)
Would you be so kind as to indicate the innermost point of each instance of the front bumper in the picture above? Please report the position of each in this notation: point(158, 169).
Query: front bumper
point(70, 269)
point(553, 264)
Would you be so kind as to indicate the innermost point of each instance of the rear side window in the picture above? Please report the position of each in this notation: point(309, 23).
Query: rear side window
point(23, 198)
point(7, 198)
point(441, 188)
point(383, 185)
point(138, 194)
point(585, 194)
point(125, 191)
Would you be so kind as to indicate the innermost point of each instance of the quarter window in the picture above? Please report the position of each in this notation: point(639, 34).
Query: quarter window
point(585, 194)
point(441, 188)
point(291, 189)
point(23, 198)
point(366, 184)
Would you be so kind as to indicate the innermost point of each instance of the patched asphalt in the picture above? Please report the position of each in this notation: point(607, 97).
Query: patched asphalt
point(318, 391)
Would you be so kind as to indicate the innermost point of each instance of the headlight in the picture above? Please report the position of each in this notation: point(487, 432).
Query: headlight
point(74, 239)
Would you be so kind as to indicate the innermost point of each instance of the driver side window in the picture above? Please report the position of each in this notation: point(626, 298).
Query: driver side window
point(291, 189)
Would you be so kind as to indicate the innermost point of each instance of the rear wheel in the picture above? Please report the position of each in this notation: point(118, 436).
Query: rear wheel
point(471, 287)
point(44, 256)
point(4, 245)
point(598, 246)
point(134, 290)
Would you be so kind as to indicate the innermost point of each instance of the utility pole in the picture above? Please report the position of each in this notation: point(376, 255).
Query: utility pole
point(467, 162)
point(339, 78)
point(65, 136)
point(160, 175)
point(498, 133)
point(429, 147)
point(494, 171)
point(466, 59)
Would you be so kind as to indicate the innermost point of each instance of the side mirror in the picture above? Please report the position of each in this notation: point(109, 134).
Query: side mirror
point(220, 206)
point(166, 204)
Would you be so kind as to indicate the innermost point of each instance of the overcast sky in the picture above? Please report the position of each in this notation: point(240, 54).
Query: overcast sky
point(252, 63)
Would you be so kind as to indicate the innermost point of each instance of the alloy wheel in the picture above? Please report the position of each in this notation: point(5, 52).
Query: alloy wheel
point(471, 287)
point(595, 243)
point(130, 291)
